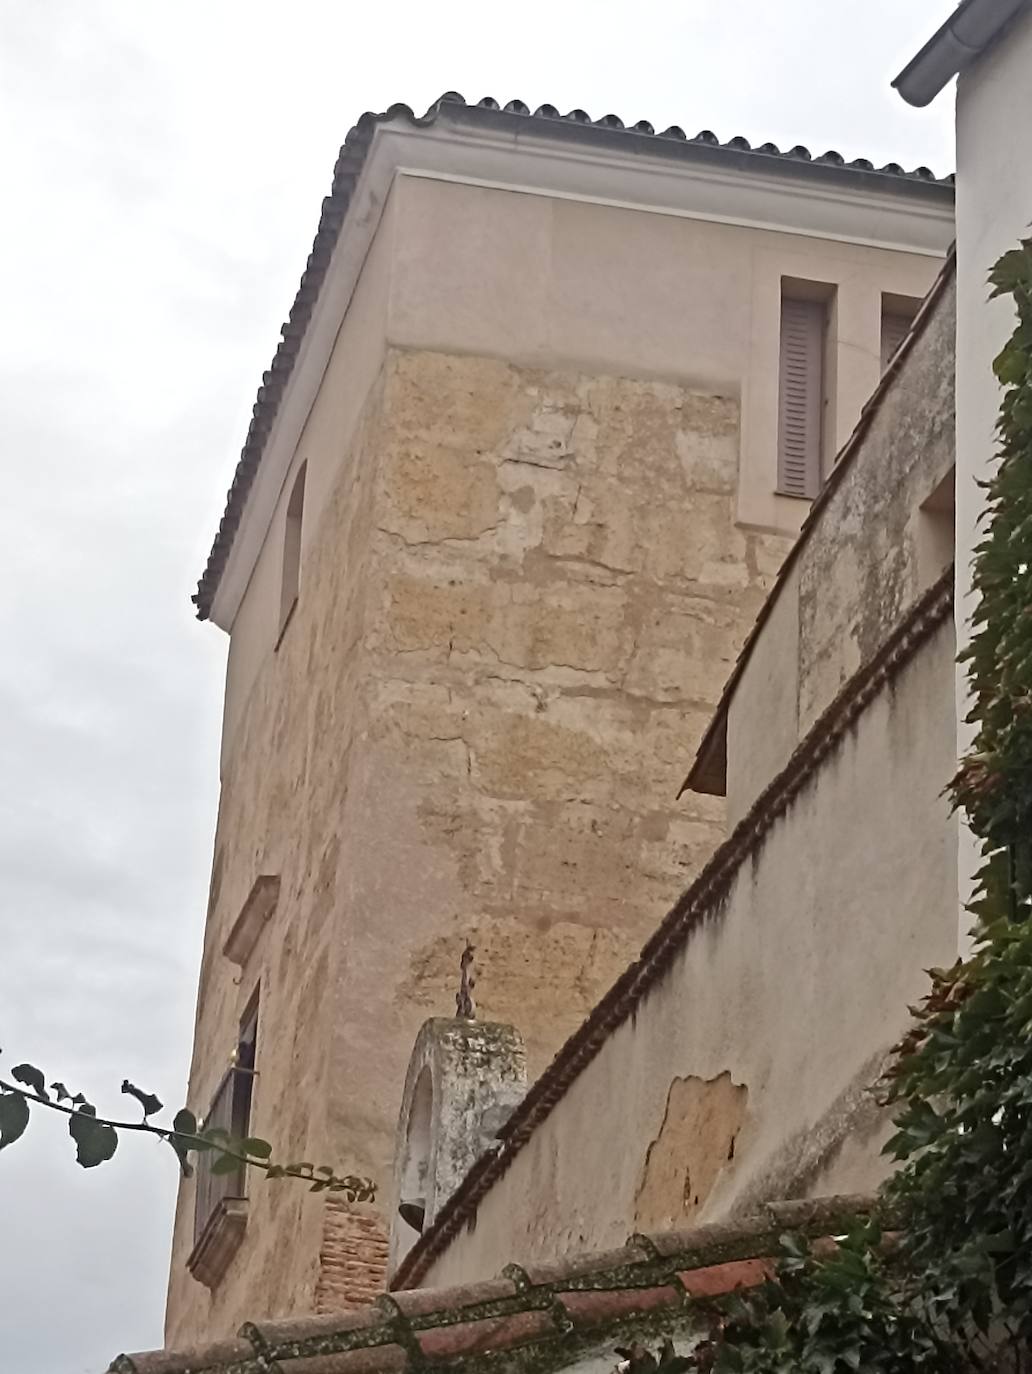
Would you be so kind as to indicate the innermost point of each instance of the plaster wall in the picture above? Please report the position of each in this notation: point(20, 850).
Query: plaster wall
point(280, 814)
point(517, 607)
point(994, 210)
point(838, 943)
point(620, 290)
point(567, 284)
point(327, 444)
point(884, 535)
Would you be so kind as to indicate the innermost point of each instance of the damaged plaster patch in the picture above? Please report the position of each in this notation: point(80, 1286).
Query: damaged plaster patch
point(696, 1143)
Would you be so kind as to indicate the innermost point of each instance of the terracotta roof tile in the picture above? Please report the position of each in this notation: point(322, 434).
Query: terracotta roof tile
point(717, 1279)
point(601, 1306)
point(377, 1359)
point(563, 1311)
point(584, 1269)
point(272, 1337)
point(609, 131)
point(419, 1302)
point(455, 1339)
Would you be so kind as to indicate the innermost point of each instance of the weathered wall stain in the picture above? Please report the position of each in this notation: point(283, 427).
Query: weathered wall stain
point(696, 1143)
point(517, 610)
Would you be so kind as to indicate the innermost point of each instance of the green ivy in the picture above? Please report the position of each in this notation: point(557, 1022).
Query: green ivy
point(952, 1290)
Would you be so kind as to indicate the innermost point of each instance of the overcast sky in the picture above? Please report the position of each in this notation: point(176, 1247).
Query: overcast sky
point(162, 171)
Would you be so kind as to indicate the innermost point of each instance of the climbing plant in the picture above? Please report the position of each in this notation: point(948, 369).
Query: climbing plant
point(24, 1089)
point(951, 1289)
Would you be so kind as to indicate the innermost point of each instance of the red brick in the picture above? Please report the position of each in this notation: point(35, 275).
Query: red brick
point(716, 1279)
point(478, 1338)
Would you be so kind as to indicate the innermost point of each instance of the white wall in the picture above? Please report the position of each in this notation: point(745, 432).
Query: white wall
point(994, 210)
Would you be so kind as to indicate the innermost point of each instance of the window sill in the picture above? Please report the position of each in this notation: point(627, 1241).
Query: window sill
point(218, 1242)
point(256, 911)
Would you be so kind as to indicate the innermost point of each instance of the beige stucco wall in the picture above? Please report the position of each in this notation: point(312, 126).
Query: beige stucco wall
point(770, 1021)
point(994, 211)
point(565, 284)
point(875, 548)
point(280, 813)
point(539, 519)
point(517, 609)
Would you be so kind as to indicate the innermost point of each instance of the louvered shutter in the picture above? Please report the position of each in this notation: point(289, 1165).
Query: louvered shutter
point(799, 397)
point(894, 329)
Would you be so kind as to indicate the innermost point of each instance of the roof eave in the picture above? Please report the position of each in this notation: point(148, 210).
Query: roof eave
point(544, 123)
point(970, 29)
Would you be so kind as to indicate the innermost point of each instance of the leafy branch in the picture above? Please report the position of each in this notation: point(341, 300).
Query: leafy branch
point(96, 1137)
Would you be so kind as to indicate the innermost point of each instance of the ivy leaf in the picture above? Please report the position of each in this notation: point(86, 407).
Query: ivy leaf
point(14, 1117)
point(32, 1078)
point(183, 1123)
point(95, 1141)
point(147, 1101)
point(225, 1164)
point(258, 1149)
point(60, 1092)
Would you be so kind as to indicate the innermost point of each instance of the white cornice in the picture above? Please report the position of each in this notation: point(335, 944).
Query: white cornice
point(532, 162)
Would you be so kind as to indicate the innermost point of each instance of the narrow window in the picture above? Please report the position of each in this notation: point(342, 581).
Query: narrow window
point(292, 548)
point(801, 395)
point(896, 318)
point(230, 1110)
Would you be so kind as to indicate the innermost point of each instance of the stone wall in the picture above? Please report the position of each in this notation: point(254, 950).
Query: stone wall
point(516, 613)
point(745, 1072)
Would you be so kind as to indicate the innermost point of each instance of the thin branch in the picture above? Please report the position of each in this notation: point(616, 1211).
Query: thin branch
point(335, 1183)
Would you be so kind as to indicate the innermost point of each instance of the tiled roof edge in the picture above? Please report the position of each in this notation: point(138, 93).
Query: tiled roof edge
point(707, 769)
point(557, 1308)
point(706, 893)
point(346, 172)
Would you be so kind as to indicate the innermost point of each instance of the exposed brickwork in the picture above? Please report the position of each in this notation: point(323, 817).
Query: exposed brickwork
point(352, 1258)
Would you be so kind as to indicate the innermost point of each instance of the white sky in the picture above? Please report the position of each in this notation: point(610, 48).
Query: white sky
point(162, 168)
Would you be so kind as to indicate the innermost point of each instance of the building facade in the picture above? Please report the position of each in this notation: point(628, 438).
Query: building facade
point(547, 416)
point(738, 1060)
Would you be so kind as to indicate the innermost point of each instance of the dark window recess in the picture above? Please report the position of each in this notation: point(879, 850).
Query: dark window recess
point(291, 572)
point(894, 329)
point(231, 1110)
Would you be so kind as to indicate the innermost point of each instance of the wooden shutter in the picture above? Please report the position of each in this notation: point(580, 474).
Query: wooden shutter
point(894, 329)
point(800, 378)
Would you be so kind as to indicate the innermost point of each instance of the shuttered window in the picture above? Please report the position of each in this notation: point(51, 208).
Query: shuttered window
point(894, 329)
point(800, 388)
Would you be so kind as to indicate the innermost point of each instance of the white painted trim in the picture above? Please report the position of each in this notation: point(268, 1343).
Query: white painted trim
point(535, 163)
